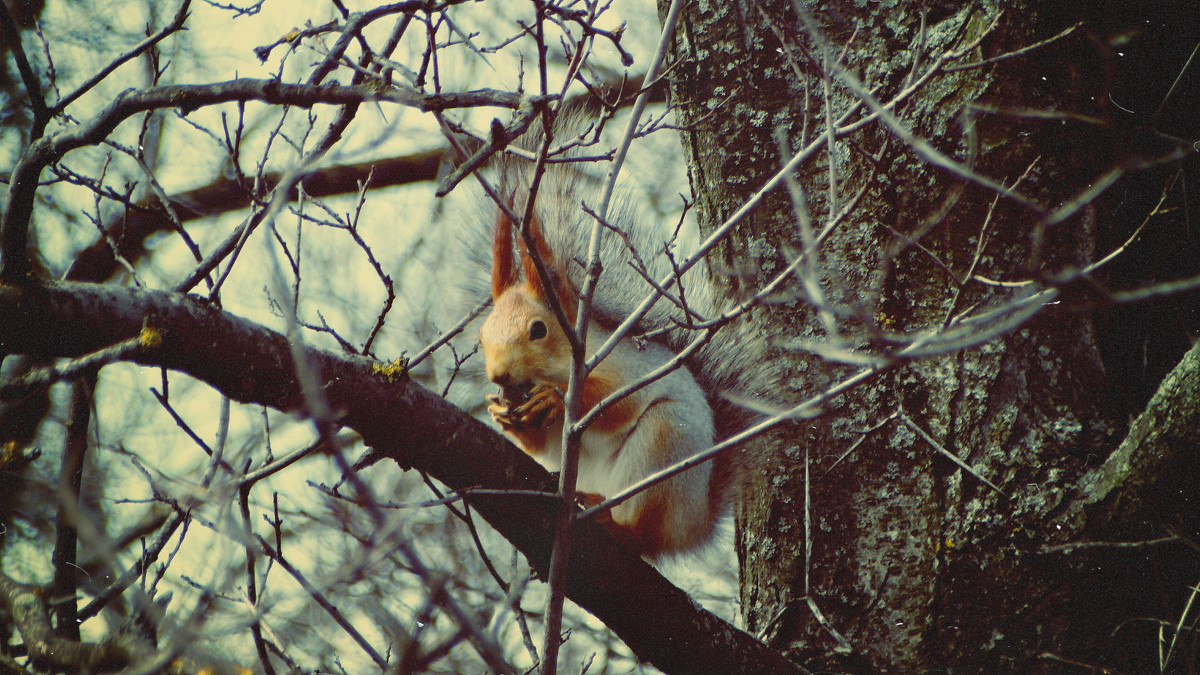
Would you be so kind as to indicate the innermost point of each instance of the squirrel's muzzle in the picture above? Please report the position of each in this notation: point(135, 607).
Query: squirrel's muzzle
point(516, 394)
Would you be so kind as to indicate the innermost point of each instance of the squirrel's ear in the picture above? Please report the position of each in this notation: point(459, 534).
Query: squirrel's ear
point(504, 272)
point(558, 275)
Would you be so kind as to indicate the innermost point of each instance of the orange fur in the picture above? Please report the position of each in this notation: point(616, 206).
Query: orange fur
point(597, 387)
point(648, 529)
point(532, 441)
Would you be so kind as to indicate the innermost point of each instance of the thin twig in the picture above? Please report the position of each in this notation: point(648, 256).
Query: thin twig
point(175, 26)
point(910, 423)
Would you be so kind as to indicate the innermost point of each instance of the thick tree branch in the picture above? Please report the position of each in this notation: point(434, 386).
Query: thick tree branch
point(1151, 476)
point(401, 420)
point(27, 607)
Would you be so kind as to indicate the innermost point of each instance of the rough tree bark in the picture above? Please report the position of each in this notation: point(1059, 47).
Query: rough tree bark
point(864, 548)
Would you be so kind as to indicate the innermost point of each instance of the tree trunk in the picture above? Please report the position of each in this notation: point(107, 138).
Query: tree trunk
point(865, 547)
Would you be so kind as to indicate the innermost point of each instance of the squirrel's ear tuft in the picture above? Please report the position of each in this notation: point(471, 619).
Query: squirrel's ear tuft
point(504, 271)
point(559, 286)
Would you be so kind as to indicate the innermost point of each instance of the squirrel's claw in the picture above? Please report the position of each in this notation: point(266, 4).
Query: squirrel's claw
point(501, 413)
point(543, 408)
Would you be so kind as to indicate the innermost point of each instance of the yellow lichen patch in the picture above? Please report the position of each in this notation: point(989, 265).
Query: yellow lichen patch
point(9, 452)
point(393, 370)
point(885, 321)
point(943, 544)
point(150, 337)
point(377, 84)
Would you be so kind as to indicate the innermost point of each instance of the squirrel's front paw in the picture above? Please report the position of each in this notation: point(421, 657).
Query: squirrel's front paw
point(542, 407)
point(500, 411)
point(528, 408)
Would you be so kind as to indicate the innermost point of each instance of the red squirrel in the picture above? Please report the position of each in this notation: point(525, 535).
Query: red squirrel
point(529, 356)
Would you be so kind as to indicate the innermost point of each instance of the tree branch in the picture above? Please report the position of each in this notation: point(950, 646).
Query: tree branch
point(175, 26)
point(130, 230)
point(401, 420)
point(33, 87)
point(188, 97)
point(132, 226)
point(1151, 475)
point(27, 608)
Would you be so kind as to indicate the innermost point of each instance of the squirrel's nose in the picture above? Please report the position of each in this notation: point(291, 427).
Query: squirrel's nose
point(502, 379)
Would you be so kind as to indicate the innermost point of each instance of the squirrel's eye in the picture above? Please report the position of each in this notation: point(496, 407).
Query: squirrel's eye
point(537, 330)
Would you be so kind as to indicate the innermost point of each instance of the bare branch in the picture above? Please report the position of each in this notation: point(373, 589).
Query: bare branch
point(24, 178)
point(37, 100)
point(174, 26)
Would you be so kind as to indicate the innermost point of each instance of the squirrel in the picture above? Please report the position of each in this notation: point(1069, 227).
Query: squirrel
point(528, 355)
